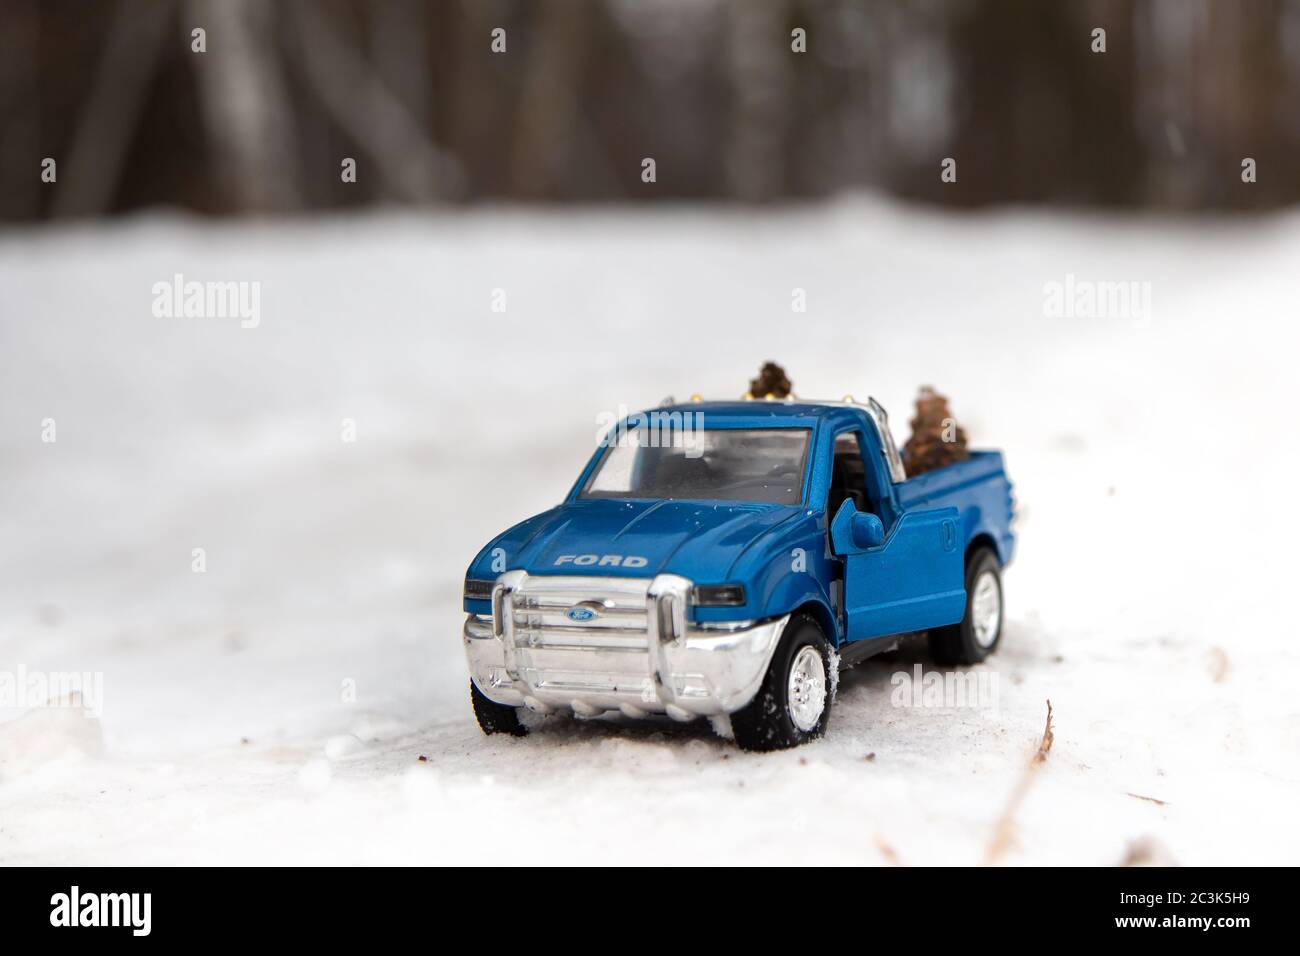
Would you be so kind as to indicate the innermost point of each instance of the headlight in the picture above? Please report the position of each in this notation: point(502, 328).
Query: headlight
point(477, 589)
point(718, 595)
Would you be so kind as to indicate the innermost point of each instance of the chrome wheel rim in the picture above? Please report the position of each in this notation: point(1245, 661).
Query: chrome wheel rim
point(986, 609)
point(806, 693)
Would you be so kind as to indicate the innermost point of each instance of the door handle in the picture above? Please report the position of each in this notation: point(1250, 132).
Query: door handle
point(948, 534)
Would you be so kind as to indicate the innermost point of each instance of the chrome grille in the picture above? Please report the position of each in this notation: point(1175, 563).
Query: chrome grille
point(617, 656)
point(540, 608)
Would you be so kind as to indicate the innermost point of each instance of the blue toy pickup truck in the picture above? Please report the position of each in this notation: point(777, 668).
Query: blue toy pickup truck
point(726, 558)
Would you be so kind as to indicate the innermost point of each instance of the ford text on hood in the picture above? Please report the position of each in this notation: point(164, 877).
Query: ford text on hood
point(697, 539)
point(719, 559)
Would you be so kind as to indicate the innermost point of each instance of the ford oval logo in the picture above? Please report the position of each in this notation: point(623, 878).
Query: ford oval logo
point(580, 614)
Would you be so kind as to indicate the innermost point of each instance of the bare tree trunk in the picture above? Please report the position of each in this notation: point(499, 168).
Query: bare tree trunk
point(545, 120)
point(246, 112)
point(478, 119)
point(409, 165)
point(758, 67)
point(107, 119)
point(20, 114)
point(399, 49)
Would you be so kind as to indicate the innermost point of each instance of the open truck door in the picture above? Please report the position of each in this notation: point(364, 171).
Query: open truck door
point(911, 580)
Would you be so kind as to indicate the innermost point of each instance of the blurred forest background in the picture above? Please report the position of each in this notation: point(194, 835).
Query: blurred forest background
point(588, 88)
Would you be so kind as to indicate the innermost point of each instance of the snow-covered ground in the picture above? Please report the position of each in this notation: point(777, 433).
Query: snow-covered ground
point(304, 699)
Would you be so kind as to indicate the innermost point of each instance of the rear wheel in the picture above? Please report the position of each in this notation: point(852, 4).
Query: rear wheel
point(793, 704)
point(494, 718)
point(978, 633)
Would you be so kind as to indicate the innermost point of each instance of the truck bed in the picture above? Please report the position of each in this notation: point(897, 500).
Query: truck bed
point(978, 488)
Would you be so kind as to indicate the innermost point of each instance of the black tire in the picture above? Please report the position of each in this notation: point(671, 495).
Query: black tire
point(494, 718)
point(959, 643)
point(766, 722)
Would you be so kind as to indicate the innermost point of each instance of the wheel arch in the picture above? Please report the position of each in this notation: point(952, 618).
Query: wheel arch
point(820, 613)
point(984, 540)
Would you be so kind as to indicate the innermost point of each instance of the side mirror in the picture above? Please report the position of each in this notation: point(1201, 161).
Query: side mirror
point(868, 531)
point(854, 531)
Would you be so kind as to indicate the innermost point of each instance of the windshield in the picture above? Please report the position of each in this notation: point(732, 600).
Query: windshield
point(731, 464)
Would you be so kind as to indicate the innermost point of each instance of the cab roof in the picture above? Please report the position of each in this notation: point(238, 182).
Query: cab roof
point(767, 413)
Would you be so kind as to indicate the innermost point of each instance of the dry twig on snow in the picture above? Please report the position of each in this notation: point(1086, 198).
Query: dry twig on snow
point(1138, 796)
point(1147, 851)
point(1219, 666)
point(887, 851)
point(1002, 833)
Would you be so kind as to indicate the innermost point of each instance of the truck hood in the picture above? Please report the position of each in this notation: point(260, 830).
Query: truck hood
point(700, 540)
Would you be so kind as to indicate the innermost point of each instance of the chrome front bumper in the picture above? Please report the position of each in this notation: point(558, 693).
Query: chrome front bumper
point(636, 653)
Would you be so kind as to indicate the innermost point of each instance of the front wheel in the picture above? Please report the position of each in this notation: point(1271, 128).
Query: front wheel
point(978, 633)
point(793, 704)
point(494, 718)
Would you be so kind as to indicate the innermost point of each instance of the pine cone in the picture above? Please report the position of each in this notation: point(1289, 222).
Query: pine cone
point(936, 439)
point(772, 381)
